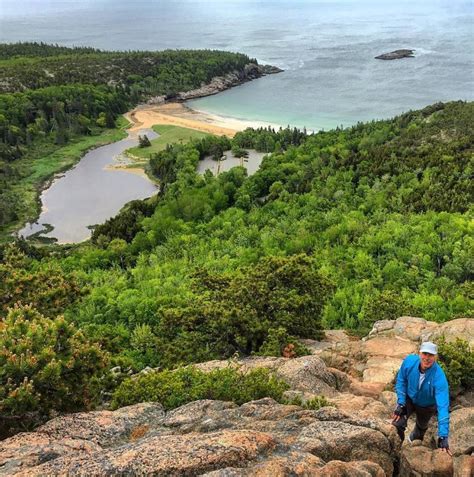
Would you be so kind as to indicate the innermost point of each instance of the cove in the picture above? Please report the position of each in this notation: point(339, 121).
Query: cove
point(89, 194)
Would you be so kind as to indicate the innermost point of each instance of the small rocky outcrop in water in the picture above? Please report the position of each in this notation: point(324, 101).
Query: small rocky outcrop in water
point(352, 437)
point(396, 55)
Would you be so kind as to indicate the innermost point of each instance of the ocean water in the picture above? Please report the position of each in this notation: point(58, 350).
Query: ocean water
point(326, 48)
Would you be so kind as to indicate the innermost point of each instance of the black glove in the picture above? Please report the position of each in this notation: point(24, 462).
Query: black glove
point(400, 410)
point(443, 443)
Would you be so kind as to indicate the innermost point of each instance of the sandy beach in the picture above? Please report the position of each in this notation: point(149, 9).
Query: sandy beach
point(178, 114)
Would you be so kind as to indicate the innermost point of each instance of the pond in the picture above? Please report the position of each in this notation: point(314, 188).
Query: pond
point(90, 193)
point(251, 163)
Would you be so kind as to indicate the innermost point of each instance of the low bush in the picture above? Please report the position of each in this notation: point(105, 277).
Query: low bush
point(312, 404)
point(46, 366)
point(457, 360)
point(175, 388)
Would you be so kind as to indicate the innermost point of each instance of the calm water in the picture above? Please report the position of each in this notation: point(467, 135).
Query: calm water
point(89, 194)
point(326, 47)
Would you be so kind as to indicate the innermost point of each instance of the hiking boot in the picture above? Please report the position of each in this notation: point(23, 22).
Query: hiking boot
point(414, 436)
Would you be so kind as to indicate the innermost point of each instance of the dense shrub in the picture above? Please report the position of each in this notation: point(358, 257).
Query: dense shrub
point(47, 288)
point(457, 360)
point(236, 313)
point(45, 365)
point(280, 343)
point(175, 388)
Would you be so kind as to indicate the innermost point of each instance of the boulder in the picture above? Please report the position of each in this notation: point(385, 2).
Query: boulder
point(389, 398)
point(381, 370)
point(420, 461)
point(361, 406)
point(302, 464)
point(185, 417)
point(461, 435)
point(413, 328)
point(189, 454)
point(338, 436)
point(351, 469)
point(463, 466)
point(31, 449)
point(461, 432)
point(346, 442)
point(294, 464)
point(334, 339)
point(418, 330)
point(460, 328)
point(106, 428)
point(389, 347)
point(307, 373)
point(409, 328)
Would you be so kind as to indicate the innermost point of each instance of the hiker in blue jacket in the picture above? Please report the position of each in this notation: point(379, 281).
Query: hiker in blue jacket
point(422, 388)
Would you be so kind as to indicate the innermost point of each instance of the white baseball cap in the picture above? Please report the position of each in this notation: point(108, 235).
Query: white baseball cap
point(428, 347)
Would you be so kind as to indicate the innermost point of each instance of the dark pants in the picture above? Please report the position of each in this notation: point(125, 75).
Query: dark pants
point(423, 416)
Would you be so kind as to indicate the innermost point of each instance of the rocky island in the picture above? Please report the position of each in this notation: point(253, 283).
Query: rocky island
point(396, 55)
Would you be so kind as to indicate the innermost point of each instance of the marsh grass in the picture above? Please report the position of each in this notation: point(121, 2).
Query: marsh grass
point(168, 135)
point(38, 168)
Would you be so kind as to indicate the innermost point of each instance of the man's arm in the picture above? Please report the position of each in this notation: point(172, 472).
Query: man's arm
point(401, 385)
point(442, 403)
point(401, 389)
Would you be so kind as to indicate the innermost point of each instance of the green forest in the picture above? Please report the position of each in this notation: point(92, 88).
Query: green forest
point(337, 229)
point(52, 97)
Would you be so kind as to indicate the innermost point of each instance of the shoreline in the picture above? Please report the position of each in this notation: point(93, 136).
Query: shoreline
point(180, 114)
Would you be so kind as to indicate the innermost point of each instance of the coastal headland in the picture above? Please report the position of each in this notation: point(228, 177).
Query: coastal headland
point(172, 110)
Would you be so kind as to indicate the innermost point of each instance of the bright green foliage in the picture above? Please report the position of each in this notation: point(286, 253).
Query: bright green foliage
point(385, 305)
point(46, 288)
point(268, 140)
point(237, 151)
point(168, 135)
point(45, 365)
point(236, 314)
point(321, 199)
point(175, 388)
point(457, 360)
point(59, 95)
point(212, 146)
point(124, 225)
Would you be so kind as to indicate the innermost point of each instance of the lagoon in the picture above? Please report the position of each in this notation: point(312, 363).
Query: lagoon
point(89, 194)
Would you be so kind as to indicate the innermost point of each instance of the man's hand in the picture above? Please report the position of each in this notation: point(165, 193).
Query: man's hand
point(443, 444)
point(399, 412)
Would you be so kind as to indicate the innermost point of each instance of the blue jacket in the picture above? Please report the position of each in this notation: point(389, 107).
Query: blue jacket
point(433, 391)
